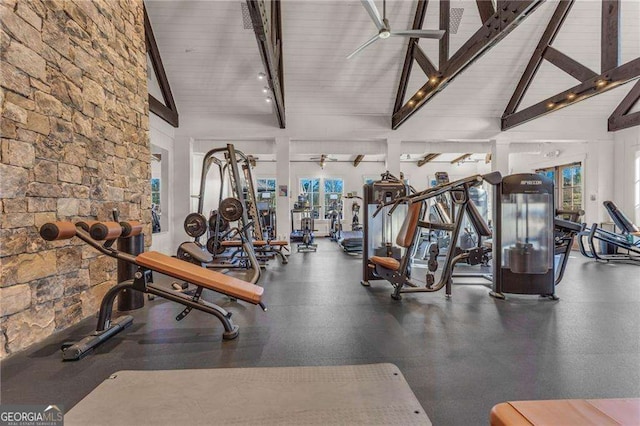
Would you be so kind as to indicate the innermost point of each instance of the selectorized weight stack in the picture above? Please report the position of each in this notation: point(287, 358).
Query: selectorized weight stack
point(523, 252)
point(380, 231)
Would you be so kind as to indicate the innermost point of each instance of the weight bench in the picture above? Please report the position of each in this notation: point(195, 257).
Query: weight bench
point(567, 412)
point(93, 233)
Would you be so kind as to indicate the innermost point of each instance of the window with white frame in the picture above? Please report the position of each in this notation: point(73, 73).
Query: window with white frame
point(333, 190)
point(311, 188)
point(267, 191)
point(568, 183)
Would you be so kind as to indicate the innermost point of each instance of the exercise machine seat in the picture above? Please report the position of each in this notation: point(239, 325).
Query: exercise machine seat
point(200, 276)
point(196, 252)
point(584, 412)
point(620, 219)
point(409, 226)
point(386, 262)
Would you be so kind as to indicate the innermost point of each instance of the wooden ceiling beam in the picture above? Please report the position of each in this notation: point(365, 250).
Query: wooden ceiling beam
point(568, 65)
point(610, 39)
point(427, 158)
point(510, 13)
point(358, 159)
point(620, 118)
point(268, 31)
point(612, 74)
point(594, 86)
point(445, 24)
point(418, 20)
point(485, 8)
point(556, 21)
point(166, 110)
point(461, 158)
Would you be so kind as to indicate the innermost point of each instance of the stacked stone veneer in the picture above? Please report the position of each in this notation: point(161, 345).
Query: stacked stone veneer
point(74, 145)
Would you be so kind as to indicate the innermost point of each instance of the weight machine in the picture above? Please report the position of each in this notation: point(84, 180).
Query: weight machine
point(623, 246)
point(245, 209)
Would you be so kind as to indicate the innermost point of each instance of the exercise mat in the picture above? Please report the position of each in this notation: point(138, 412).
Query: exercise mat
point(347, 395)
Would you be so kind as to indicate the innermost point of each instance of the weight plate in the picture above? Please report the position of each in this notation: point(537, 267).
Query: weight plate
point(231, 209)
point(430, 280)
point(214, 246)
point(195, 225)
point(223, 224)
point(433, 265)
point(433, 248)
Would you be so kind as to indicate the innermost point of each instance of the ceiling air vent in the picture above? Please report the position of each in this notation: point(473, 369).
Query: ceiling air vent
point(456, 17)
point(246, 17)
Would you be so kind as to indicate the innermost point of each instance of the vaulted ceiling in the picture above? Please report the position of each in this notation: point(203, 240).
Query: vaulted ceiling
point(211, 58)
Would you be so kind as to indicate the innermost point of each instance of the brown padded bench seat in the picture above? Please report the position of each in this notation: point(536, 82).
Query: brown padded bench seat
point(257, 243)
point(567, 412)
point(200, 276)
point(386, 262)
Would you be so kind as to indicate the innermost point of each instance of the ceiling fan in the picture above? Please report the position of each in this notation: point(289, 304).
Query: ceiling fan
point(322, 160)
point(384, 30)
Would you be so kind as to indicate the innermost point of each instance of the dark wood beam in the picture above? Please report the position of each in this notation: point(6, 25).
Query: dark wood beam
point(424, 62)
point(599, 84)
point(418, 20)
point(485, 7)
point(445, 23)
point(620, 118)
point(509, 15)
point(358, 159)
point(568, 65)
point(461, 158)
point(610, 44)
point(427, 158)
point(166, 110)
point(563, 8)
point(268, 30)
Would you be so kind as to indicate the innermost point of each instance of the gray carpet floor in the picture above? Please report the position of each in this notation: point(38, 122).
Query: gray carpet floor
point(460, 356)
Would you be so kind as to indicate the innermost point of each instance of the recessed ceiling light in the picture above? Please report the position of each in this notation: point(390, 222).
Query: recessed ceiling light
point(268, 100)
point(265, 89)
point(261, 76)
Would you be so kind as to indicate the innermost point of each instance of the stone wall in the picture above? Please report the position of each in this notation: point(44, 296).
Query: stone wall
point(74, 145)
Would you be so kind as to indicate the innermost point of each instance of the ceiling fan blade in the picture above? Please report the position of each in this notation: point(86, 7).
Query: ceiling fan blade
point(371, 8)
point(437, 34)
point(365, 44)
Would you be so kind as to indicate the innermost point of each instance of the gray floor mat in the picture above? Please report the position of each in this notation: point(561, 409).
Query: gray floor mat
point(359, 394)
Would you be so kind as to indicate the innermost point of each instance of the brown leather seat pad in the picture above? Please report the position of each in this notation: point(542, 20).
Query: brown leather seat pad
point(567, 412)
point(201, 276)
point(257, 243)
point(386, 262)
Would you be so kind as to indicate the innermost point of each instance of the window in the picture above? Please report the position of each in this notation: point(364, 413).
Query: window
point(571, 187)
point(568, 183)
point(333, 189)
point(267, 192)
point(311, 188)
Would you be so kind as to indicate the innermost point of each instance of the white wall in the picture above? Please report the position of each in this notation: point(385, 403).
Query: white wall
point(162, 136)
point(626, 150)
point(607, 157)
